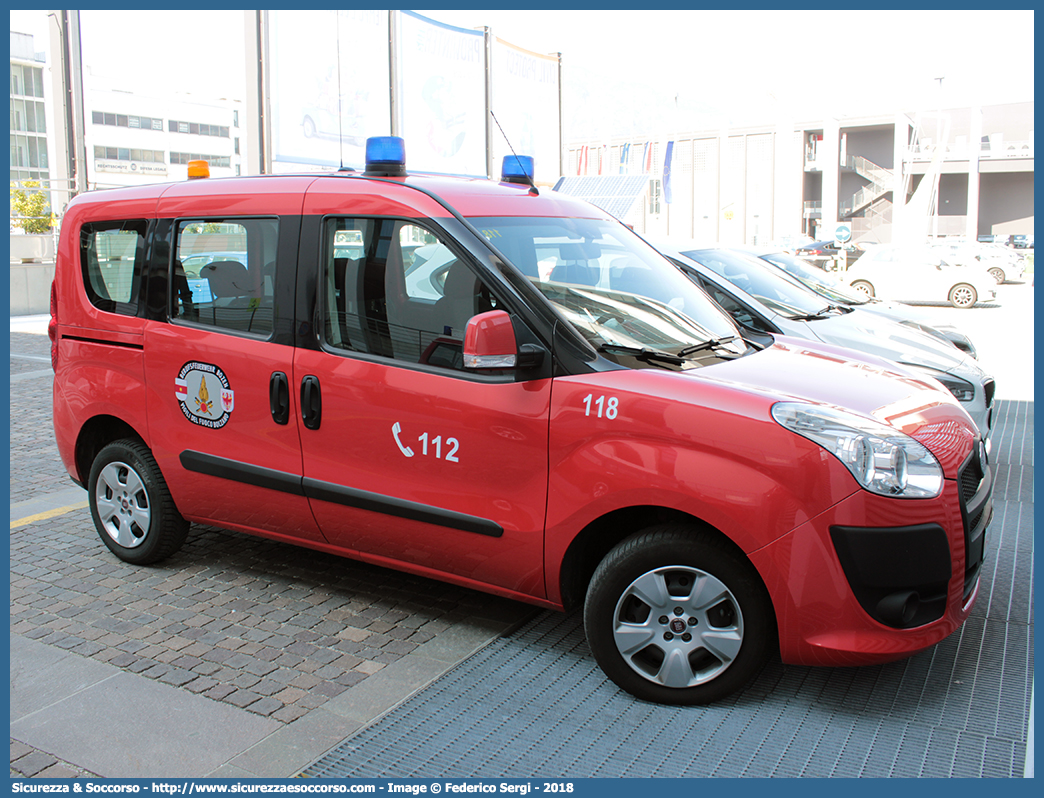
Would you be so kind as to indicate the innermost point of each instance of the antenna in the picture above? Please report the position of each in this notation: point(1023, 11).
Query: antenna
point(532, 186)
point(340, 133)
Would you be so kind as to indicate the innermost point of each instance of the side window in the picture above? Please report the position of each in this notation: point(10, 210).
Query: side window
point(393, 288)
point(223, 274)
point(112, 255)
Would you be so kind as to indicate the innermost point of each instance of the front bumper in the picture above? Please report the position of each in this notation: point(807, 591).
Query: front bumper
point(875, 579)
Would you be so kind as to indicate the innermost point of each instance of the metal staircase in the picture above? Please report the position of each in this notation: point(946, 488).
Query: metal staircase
point(880, 184)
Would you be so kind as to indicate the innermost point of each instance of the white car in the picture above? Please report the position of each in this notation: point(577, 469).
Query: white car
point(1001, 262)
point(919, 274)
point(830, 287)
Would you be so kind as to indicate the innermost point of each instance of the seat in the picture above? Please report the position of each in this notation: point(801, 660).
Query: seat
point(227, 278)
point(631, 279)
point(459, 301)
point(234, 294)
point(573, 268)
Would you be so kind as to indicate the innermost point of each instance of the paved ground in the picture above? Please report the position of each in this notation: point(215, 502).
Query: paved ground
point(259, 657)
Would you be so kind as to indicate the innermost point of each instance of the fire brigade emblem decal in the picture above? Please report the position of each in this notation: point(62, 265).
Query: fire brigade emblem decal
point(204, 394)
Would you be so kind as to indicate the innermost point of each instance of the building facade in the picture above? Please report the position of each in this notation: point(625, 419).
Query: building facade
point(133, 139)
point(960, 172)
point(29, 117)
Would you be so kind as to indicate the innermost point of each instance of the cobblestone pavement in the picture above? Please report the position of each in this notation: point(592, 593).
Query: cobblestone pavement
point(29, 762)
point(264, 626)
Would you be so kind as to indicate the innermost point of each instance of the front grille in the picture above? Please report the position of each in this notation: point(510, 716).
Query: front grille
point(971, 478)
point(988, 389)
point(976, 486)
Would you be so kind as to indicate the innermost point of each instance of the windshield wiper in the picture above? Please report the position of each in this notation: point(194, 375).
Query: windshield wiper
point(641, 353)
point(821, 314)
point(713, 343)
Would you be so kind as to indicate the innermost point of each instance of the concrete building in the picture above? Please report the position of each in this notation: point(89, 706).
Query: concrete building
point(761, 184)
point(132, 139)
point(29, 103)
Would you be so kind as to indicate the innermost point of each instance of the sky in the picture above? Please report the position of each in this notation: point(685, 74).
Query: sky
point(630, 73)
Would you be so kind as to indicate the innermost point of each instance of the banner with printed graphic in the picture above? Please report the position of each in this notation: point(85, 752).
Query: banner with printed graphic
point(329, 78)
point(526, 104)
point(442, 96)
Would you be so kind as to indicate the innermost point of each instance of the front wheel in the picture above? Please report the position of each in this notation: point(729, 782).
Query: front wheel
point(963, 295)
point(997, 273)
point(674, 615)
point(131, 504)
point(863, 287)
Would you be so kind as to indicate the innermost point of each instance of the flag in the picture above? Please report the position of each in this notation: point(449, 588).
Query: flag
point(581, 161)
point(625, 157)
point(647, 167)
point(667, 172)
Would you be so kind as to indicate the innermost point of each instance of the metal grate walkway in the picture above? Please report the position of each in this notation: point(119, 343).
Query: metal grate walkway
point(536, 704)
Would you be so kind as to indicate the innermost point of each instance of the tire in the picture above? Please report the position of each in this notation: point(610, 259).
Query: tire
point(131, 505)
point(997, 273)
point(864, 287)
point(309, 127)
point(635, 630)
point(963, 295)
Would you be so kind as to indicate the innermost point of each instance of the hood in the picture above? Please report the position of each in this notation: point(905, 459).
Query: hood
point(875, 334)
point(796, 370)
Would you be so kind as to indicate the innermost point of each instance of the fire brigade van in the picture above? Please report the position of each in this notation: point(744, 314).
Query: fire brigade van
point(505, 388)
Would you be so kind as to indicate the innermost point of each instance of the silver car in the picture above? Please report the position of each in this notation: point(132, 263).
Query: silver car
point(762, 298)
point(829, 287)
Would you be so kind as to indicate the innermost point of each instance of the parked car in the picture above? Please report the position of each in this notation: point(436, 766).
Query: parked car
point(1001, 262)
point(834, 290)
point(1023, 241)
point(599, 436)
point(761, 297)
point(917, 274)
point(830, 249)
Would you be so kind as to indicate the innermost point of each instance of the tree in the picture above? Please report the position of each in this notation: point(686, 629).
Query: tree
point(32, 210)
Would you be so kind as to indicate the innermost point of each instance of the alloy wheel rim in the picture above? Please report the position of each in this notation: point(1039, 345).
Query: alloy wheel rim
point(123, 505)
point(678, 626)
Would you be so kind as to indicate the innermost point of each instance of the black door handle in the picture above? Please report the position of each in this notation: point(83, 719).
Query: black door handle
point(279, 397)
point(311, 402)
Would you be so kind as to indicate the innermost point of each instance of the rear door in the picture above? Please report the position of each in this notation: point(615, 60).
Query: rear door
point(222, 416)
point(409, 458)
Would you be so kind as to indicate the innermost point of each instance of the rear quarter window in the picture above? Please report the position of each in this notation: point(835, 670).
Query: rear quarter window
point(112, 256)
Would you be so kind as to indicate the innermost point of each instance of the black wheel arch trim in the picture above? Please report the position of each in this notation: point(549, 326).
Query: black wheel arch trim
point(295, 484)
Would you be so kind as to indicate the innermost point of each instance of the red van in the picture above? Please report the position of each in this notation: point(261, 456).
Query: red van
point(507, 389)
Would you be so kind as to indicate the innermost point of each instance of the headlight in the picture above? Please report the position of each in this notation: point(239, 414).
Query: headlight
point(881, 458)
point(963, 390)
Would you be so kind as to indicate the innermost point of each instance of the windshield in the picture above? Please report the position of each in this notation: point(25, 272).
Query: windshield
point(816, 279)
point(761, 280)
point(613, 287)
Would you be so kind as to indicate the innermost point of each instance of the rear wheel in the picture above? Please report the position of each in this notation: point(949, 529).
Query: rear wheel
point(863, 287)
point(963, 295)
point(674, 615)
point(131, 505)
point(997, 273)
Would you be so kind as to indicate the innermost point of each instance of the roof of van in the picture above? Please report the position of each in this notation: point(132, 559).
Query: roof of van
point(468, 196)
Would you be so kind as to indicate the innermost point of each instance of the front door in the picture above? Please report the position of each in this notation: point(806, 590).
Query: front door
point(408, 458)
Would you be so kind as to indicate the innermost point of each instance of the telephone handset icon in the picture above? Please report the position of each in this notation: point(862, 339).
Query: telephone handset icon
point(406, 450)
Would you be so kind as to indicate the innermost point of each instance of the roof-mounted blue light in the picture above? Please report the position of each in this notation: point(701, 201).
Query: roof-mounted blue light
point(385, 155)
point(517, 169)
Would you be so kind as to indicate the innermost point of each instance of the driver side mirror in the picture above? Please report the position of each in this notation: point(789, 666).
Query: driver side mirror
point(489, 343)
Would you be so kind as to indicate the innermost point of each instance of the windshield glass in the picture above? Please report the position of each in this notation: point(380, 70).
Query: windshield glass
point(612, 286)
point(818, 280)
point(761, 280)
